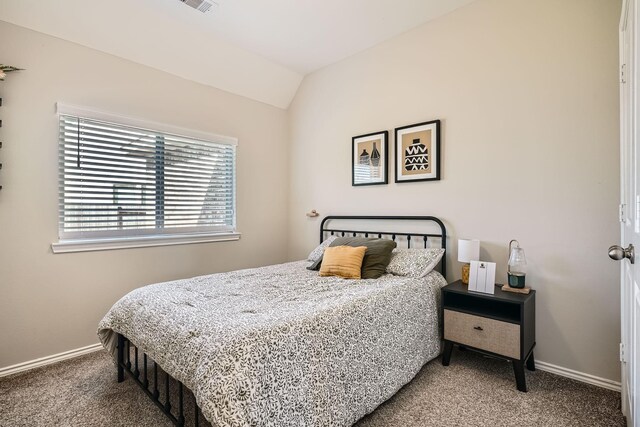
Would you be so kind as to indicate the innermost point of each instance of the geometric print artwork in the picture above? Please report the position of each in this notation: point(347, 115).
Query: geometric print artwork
point(418, 152)
point(369, 159)
point(370, 163)
point(416, 156)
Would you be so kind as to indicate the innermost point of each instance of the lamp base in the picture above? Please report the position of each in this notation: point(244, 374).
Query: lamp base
point(516, 280)
point(465, 273)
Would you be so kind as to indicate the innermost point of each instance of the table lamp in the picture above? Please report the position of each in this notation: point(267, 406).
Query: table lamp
point(517, 265)
point(468, 250)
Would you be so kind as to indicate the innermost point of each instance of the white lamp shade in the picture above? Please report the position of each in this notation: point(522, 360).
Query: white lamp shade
point(468, 250)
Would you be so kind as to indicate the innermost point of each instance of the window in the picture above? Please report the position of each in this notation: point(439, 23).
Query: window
point(126, 185)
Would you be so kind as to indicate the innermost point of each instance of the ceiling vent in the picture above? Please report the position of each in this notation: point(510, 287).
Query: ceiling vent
point(201, 5)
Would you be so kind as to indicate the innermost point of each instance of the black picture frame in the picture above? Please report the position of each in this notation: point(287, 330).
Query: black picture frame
point(435, 159)
point(358, 180)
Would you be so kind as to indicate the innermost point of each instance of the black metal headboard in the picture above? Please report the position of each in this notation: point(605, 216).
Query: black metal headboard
point(419, 238)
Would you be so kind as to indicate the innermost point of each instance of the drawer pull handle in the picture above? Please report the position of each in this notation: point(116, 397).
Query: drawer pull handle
point(478, 328)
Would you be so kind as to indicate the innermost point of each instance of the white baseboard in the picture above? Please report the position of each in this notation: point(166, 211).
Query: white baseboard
point(48, 360)
point(579, 376)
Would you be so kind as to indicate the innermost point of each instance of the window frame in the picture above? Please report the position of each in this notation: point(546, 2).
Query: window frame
point(120, 239)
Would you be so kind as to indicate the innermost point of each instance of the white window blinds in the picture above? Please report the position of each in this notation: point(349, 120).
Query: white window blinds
point(125, 181)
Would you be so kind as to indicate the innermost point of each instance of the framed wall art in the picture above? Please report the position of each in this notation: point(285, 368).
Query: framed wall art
point(418, 152)
point(369, 155)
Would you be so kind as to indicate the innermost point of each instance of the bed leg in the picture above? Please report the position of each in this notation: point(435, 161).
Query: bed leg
point(180, 405)
point(167, 403)
point(156, 392)
point(120, 361)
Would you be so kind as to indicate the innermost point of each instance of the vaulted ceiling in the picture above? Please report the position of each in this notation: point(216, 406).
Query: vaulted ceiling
point(255, 48)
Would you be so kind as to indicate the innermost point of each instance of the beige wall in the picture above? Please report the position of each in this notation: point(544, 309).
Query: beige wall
point(52, 303)
point(527, 93)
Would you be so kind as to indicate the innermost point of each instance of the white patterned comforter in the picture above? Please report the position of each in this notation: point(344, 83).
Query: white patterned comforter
point(282, 346)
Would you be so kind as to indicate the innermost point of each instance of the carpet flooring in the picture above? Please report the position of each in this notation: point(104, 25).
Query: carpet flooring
point(472, 391)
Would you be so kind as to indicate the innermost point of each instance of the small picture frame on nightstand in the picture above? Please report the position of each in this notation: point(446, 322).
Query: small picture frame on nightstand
point(482, 277)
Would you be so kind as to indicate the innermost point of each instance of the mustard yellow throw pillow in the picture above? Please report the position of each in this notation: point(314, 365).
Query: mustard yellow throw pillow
point(343, 261)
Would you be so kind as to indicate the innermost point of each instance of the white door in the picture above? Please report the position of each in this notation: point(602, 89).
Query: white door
point(629, 215)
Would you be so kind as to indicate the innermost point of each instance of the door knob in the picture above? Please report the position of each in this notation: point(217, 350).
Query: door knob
point(618, 252)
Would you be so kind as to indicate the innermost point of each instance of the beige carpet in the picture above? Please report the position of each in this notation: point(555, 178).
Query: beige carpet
point(472, 391)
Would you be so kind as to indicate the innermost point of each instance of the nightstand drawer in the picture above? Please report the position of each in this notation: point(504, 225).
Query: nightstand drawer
point(486, 334)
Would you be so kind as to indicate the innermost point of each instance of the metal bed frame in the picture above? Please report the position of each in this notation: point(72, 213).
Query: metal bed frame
point(139, 372)
point(420, 236)
point(125, 366)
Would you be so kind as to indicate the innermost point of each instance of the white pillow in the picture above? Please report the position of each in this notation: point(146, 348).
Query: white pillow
point(414, 262)
point(319, 250)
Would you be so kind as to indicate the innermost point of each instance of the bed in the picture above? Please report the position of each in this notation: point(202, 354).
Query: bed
point(280, 345)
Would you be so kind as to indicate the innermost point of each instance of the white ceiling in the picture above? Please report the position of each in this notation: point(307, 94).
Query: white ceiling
point(260, 49)
point(305, 35)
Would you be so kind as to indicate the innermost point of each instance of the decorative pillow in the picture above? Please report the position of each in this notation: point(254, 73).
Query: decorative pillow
point(414, 262)
point(343, 261)
point(316, 254)
point(377, 256)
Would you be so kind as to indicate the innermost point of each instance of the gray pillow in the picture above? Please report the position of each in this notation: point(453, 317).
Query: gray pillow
point(414, 262)
point(316, 254)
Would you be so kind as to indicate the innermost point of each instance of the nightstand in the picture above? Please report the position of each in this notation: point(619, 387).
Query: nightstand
point(501, 325)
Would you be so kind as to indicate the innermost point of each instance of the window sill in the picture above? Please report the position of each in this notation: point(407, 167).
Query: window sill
point(86, 245)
